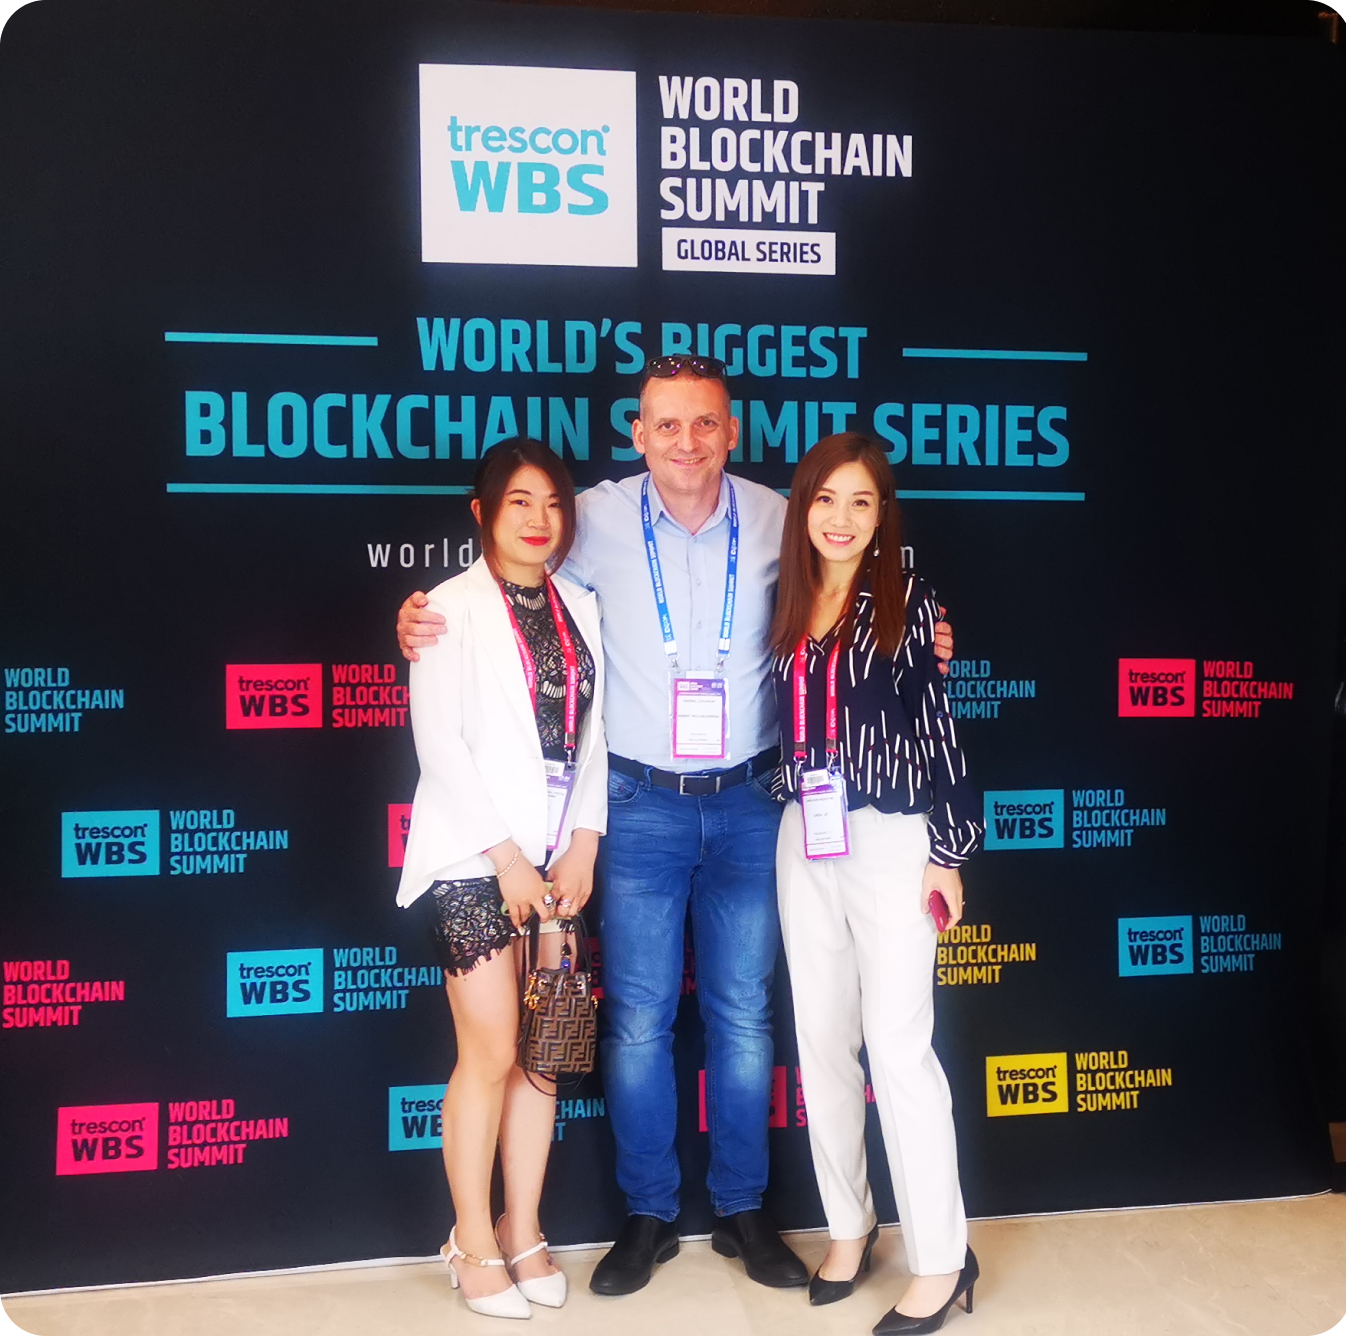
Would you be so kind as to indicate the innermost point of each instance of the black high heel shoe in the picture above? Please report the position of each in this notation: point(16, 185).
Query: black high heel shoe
point(893, 1323)
point(829, 1291)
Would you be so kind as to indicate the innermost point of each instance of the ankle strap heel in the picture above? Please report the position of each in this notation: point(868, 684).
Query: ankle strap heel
point(549, 1291)
point(508, 1303)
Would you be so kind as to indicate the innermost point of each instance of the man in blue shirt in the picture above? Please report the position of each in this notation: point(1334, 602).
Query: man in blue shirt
point(683, 833)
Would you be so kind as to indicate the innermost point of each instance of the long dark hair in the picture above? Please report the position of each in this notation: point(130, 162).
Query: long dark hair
point(498, 466)
point(800, 574)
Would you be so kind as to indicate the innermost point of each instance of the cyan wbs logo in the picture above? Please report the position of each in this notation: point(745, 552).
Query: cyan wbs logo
point(414, 1121)
point(525, 165)
point(1025, 819)
point(274, 983)
point(109, 844)
point(1154, 945)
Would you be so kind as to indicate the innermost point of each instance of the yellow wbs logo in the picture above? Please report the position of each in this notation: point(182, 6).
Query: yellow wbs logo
point(1027, 1083)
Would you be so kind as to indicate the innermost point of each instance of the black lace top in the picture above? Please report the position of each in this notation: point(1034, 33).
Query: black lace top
point(533, 612)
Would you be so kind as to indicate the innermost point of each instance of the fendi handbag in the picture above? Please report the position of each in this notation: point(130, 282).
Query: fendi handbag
point(558, 1024)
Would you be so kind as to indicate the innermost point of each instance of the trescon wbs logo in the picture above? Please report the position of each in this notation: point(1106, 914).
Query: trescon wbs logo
point(273, 695)
point(1027, 1083)
point(274, 983)
point(414, 1117)
point(1154, 945)
point(525, 165)
point(107, 1138)
point(1105, 1082)
point(1025, 818)
point(110, 844)
point(399, 828)
point(1156, 688)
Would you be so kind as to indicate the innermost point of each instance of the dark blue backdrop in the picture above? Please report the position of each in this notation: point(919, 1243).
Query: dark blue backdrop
point(1156, 207)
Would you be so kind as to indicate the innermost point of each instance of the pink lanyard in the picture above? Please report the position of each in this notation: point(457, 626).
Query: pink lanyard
point(571, 660)
point(801, 681)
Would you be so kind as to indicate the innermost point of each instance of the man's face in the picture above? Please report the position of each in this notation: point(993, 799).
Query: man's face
point(685, 432)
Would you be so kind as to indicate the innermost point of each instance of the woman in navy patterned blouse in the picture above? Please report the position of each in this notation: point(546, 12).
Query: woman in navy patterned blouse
point(879, 817)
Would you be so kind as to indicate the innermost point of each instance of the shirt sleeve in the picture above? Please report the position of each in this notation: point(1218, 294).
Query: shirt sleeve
point(955, 819)
point(575, 568)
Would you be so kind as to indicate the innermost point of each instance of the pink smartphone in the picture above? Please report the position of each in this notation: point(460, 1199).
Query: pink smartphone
point(939, 910)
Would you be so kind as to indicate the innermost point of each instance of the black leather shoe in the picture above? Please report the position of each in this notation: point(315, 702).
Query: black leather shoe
point(829, 1291)
point(751, 1236)
point(893, 1323)
point(629, 1263)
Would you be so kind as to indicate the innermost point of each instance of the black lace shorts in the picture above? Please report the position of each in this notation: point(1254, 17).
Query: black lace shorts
point(465, 922)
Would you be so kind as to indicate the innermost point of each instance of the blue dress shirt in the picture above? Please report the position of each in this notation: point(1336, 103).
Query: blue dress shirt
point(609, 557)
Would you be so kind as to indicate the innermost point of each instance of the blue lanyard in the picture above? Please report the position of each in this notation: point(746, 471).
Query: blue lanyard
point(657, 577)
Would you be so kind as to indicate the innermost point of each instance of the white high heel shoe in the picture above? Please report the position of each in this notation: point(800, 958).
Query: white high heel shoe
point(549, 1291)
point(508, 1303)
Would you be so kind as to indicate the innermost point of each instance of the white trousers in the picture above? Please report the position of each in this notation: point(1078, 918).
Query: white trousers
point(862, 957)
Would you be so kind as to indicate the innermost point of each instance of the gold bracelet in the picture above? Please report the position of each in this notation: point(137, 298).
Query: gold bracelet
point(500, 872)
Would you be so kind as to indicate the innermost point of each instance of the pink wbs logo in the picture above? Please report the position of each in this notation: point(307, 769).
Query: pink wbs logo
point(1156, 688)
point(107, 1138)
point(399, 827)
point(273, 695)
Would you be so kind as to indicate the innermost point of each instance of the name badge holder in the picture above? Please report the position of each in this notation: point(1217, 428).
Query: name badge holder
point(822, 793)
point(698, 699)
point(560, 775)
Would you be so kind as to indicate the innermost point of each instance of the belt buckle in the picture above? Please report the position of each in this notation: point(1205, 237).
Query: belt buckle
point(682, 785)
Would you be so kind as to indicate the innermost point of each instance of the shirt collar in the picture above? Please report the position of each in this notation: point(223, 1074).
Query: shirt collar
point(657, 507)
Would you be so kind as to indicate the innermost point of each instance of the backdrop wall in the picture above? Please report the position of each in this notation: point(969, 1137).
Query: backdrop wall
point(271, 283)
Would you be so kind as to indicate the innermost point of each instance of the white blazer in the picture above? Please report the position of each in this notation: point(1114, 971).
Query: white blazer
point(482, 779)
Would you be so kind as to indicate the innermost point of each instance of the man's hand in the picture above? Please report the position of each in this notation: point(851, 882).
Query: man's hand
point(418, 628)
point(943, 640)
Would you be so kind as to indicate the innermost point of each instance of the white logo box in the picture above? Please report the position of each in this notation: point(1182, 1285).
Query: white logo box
point(528, 165)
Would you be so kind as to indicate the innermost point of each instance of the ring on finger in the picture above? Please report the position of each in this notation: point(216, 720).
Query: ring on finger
point(548, 900)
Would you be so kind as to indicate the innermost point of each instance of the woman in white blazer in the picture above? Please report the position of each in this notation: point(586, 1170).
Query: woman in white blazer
point(507, 711)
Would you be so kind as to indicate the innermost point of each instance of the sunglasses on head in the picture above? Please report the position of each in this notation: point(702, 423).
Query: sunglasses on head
point(664, 368)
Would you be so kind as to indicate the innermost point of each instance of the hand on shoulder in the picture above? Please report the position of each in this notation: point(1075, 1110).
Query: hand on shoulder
point(418, 625)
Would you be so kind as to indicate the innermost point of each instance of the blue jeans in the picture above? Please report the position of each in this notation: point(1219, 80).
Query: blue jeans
point(663, 850)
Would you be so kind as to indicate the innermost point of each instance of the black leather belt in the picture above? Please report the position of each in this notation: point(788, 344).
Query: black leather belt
point(705, 782)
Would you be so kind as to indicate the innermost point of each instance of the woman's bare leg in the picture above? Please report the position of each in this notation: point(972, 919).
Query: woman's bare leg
point(526, 1128)
point(485, 1009)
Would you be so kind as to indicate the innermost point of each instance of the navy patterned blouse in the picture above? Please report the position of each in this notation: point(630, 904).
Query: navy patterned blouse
point(899, 750)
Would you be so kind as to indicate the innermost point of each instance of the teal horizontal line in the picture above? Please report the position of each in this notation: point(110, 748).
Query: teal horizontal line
point(918, 495)
point(325, 340)
point(315, 489)
point(997, 354)
point(394, 489)
point(989, 496)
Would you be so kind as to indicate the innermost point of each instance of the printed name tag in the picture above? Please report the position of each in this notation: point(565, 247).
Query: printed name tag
point(700, 717)
point(822, 796)
point(560, 781)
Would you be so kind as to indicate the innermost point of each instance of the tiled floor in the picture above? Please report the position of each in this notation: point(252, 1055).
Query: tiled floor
point(1258, 1269)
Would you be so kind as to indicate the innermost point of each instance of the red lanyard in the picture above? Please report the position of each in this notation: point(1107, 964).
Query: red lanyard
point(801, 679)
point(571, 659)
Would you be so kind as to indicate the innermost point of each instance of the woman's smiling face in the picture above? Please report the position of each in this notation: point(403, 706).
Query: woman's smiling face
point(529, 524)
point(844, 514)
